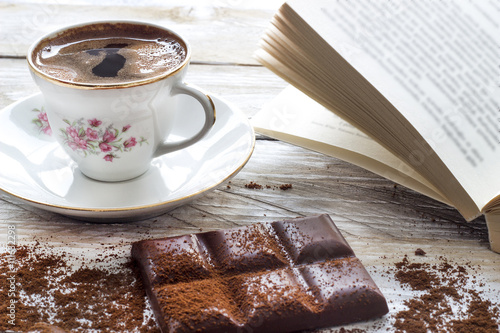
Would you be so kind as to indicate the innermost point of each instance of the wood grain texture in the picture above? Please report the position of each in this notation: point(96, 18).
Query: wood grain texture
point(382, 221)
point(321, 183)
point(211, 29)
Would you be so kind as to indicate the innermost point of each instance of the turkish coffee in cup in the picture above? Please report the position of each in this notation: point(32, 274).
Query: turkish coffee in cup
point(109, 53)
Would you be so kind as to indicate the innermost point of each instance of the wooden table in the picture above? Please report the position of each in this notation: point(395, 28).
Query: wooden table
point(381, 221)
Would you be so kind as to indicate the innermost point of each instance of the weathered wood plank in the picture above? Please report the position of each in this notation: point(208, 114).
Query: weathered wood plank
point(359, 200)
point(221, 32)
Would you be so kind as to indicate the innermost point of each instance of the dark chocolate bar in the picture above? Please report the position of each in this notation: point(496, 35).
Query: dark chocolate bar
point(284, 276)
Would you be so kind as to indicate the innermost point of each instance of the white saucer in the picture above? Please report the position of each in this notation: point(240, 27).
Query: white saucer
point(35, 169)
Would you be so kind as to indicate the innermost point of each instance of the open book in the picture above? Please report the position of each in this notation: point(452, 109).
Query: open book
point(413, 90)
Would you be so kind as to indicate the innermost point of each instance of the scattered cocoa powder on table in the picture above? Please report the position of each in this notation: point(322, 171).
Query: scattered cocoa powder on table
point(354, 330)
point(448, 299)
point(253, 185)
point(49, 292)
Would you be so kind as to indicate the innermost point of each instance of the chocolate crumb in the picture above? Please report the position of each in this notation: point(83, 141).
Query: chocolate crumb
point(285, 187)
point(253, 185)
point(419, 252)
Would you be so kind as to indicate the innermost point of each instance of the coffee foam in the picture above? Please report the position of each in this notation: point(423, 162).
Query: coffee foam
point(134, 52)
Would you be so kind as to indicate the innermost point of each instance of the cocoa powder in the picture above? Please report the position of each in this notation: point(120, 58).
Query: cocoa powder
point(447, 304)
point(50, 295)
point(254, 185)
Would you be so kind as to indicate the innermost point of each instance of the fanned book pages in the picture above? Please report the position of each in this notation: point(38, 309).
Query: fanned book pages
point(413, 88)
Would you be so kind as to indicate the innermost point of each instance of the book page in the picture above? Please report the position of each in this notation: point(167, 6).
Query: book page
point(295, 118)
point(493, 223)
point(438, 63)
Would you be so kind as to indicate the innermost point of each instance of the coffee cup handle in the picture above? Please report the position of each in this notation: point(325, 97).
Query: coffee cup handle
point(209, 108)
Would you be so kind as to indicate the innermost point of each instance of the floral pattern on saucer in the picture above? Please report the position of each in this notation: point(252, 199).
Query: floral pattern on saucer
point(91, 137)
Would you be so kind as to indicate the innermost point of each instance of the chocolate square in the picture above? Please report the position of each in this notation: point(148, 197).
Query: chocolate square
point(245, 249)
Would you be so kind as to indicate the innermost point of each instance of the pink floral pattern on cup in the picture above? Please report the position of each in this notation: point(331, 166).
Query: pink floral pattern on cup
point(42, 122)
point(92, 137)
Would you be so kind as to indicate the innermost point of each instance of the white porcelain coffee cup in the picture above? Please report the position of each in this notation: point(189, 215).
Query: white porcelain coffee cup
point(114, 130)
